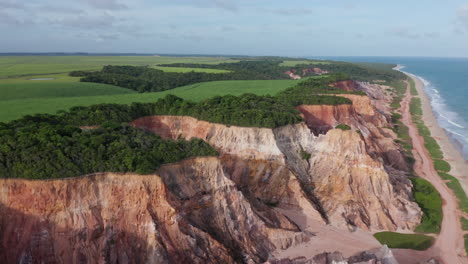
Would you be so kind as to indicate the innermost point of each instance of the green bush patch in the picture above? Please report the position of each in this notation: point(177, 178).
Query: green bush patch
point(413, 90)
point(464, 222)
point(415, 106)
point(428, 199)
point(305, 155)
point(441, 165)
point(343, 127)
point(466, 243)
point(454, 184)
point(408, 241)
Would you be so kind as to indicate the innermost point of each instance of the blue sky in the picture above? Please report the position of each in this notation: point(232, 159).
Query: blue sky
point(255, 27)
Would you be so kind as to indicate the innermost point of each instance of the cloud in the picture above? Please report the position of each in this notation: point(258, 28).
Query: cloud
point(105, 4)
point(431, 34)
point(107, 36)
point(226, 4)
point(86, 21)
point(229, 5)
point(61, 9)
point(404, 33)
point(10, 20)
point(227, 28)
point(10, 5)
point(462, 18)
point(291, 11)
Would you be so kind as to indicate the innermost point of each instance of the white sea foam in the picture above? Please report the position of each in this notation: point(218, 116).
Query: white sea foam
point(451, 121)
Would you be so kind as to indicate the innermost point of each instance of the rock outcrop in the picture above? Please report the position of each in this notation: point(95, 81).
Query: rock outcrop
point(379, 256)
point(189, 212)
point(357, 193)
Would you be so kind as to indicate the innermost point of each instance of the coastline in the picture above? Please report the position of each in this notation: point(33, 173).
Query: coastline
point(449, 242)
point(459, 167)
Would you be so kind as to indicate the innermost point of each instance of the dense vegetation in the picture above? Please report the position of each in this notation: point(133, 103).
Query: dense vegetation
point(409, 241)
point(428, 199)
point(146, 79)
point(275, 66)
point(44, 147)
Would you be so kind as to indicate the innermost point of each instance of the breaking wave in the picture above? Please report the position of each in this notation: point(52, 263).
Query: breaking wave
point(452, 122)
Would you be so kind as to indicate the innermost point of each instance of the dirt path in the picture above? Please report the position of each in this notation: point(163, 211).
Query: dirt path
point(449, 244)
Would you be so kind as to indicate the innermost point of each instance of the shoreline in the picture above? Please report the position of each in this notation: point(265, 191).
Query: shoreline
point(449, 243)
point(459, 166)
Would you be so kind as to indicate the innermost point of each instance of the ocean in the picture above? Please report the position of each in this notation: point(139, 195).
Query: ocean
point(446, 83)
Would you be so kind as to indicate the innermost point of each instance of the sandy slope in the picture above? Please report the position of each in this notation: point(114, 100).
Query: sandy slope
point(449, 243)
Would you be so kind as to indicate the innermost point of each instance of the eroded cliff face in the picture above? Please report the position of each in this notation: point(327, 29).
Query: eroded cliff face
point(348, 85)
point(347, 186)
point(361, 116)
point(189, 212)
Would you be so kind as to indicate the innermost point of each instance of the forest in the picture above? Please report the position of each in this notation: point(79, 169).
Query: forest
point(146, 79)
point(62, 150)
point(356, 71)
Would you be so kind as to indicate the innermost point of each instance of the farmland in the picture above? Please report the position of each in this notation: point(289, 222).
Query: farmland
point(60, 86)
point(36, 65)
point(22, 95)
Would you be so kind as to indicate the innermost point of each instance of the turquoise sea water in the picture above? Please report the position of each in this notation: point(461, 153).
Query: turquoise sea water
point(446, 83)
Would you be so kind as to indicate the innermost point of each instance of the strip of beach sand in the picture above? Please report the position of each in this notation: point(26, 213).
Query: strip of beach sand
point(451, 154)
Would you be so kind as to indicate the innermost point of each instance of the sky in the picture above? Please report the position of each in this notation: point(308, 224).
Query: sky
point(237, 27)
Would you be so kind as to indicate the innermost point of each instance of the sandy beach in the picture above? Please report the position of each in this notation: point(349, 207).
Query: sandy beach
point(449, 244)
point(451, 153)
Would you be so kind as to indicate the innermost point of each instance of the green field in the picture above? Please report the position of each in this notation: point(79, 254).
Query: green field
point(410, 241)
point(34, 65)
point(61, 86)
point(16, 108)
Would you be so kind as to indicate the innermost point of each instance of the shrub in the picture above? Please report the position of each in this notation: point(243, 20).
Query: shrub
point(464, 223)
point(343, 127)
point(408, 241)
point(454, 184)
point(396, 117)
point(428, 199)
point(305, 155)
point(442, 165)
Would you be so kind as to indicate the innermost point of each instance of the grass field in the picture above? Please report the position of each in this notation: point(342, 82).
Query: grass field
point(35, 65)
point(16, 108)
point(409, 241)
point(61, 86)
